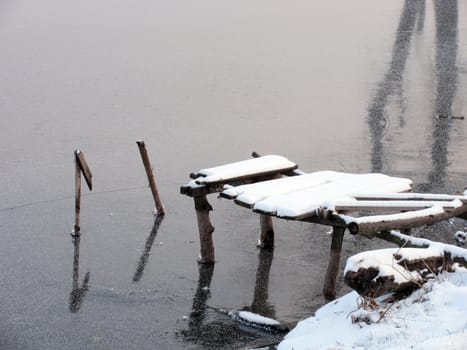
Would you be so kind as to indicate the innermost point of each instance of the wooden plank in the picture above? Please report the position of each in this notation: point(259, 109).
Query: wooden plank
point(257, 167)
point(298, 204)
point(410, 196)
point(369, 225)
point(243, 178)
point(79, 156)
point(397, 205)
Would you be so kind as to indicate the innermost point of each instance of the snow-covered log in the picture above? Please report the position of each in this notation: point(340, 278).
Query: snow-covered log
point(370, 226)
point(401, 270)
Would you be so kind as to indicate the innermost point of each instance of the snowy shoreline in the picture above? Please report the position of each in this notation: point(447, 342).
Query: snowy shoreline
point(433, 317)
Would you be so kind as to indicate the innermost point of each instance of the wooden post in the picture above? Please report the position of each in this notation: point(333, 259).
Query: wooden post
point(159, 208)
point(266, 235)
point(76, 228)
point(329, 289)
point(206, 229)
point(80, 167)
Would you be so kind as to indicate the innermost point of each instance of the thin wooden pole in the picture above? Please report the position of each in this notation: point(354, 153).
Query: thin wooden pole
point(76, 228)
point(329, 289)
point(159, 208)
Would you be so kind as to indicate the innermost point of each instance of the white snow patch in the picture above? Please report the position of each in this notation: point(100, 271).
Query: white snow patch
point(251, 317)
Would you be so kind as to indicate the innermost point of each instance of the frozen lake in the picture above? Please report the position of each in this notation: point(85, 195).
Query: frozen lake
point(337, 85)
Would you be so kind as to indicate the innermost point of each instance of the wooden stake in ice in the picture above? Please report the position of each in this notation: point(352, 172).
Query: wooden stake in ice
point(329, 289)
point(205, 228)
point(80, 167)
point(159, 208)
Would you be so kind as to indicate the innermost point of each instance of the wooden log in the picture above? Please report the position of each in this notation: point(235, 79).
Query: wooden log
point(159, 208)
point(329, 288)
point(394, 205)
point(411, 196)
point(266, 236)
point(206, 229)
point(369, 226)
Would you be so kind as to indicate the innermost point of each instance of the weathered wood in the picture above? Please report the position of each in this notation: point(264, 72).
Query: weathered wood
point(206, 229)
point(410, 196)
point(329, 289)
point(80, 167)
point(256, 177)
point(83, 165)
point(149, 172)
point(76, 228)
point(266, 236)
point(394, 205)
point(325, 217)
point(367, 226)
point(218, 186)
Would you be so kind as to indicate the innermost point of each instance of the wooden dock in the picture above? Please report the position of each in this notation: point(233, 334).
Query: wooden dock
point(271, 186)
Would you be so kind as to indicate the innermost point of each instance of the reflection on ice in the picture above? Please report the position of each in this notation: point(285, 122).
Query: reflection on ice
point(147, 248)
point(78, 292)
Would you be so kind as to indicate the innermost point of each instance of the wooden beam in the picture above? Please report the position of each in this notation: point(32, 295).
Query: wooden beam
point(369, 226)
point(410, 196)
point(395, 205)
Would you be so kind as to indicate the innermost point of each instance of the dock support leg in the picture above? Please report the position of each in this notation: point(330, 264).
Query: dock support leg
point(206, 229)
point(266, 236)
point(329, 289)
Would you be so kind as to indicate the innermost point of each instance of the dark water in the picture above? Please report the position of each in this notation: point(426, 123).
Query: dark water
point(351, 86)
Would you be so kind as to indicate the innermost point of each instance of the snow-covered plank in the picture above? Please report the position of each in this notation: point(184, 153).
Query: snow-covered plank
point(261, 166)
point(385, 205)
point(301, 204)
point(247, 195)
point(368, 225)
point(412, 196)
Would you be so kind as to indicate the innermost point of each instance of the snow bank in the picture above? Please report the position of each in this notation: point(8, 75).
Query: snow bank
point(384, 260)
point(433, 317)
